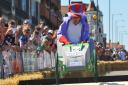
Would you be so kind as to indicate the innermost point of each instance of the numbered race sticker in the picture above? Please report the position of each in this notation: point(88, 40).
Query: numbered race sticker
point(75, 61)
point(80, 53)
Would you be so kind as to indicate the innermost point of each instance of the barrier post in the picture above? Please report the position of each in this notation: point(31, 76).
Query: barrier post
point(57, 72)
point(95, 68)
point(1, 62)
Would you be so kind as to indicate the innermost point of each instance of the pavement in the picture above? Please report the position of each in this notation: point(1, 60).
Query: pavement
point(115, 73)
point(101, 83)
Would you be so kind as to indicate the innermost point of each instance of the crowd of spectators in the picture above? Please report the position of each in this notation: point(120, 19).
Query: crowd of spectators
point(107, 54)
point(25, 37)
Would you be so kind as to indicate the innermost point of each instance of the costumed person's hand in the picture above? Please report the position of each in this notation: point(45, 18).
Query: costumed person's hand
point(64, 40)
point(85, 42)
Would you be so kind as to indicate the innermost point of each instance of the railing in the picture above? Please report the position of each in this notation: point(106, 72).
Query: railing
point(25, 61)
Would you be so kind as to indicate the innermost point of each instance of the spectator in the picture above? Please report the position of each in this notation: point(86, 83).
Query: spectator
point(39, 30)
point(12, 25)
point(45, 31)
point(107, 55)
point(9, 38)
point(122, 55)
point(47, 41)
point(18, 34)
point(41, 25)
point(50, 36)
point(27, 24)
point(35, 38)
point(115, 55)
point(24, 38)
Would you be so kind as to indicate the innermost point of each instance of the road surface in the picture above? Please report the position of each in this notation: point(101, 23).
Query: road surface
point(116, 73)
point(101, 83)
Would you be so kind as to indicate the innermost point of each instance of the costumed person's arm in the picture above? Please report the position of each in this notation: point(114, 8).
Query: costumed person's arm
point(61, 34)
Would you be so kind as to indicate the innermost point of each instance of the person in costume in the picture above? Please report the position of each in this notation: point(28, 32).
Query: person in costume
point(74, 29)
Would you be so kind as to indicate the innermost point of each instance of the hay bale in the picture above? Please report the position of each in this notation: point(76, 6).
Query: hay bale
point(73, 74)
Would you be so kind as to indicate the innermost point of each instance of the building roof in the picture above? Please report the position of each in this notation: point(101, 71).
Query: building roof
point(91, 6)
point(115, 45)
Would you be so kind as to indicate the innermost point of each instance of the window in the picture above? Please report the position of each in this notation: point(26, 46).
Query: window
point(24, 5)
point(33, 8)
point(99, 30)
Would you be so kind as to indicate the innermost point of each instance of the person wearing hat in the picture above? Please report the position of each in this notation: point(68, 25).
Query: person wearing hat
point(27, 24)
point(27, 21)
point(74, 29)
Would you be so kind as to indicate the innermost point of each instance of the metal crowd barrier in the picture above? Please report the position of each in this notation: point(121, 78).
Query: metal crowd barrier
point(17, 62)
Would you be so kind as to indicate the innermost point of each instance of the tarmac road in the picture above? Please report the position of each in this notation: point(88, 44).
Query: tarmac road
point(101, 83)
point(116, 73)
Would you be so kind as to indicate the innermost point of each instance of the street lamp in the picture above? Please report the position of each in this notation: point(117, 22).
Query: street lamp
point(109, 19)
point(13, 8)
point(121, 32)
point(38, 1)
point(113, 15)
point(116, 31)
point(30, 15)
point(121, 36)
point(69, 2)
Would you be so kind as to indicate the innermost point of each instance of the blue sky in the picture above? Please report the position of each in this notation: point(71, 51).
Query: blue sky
point(119, 21)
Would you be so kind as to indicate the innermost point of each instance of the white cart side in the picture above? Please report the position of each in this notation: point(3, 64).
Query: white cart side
point(74, 56)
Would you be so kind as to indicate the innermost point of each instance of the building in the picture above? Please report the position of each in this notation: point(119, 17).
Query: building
point(64, 10)
point(115, 45)
point(97, 28)
point(48, 10)
point(7, 11)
